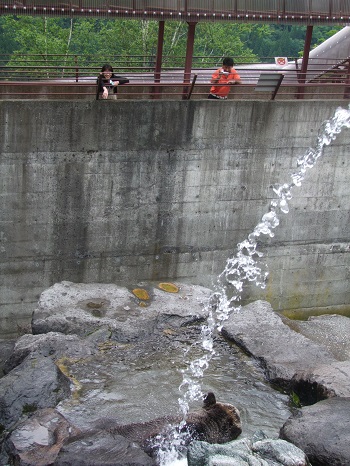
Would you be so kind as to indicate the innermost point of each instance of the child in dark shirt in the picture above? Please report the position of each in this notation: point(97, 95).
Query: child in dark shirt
point(107, 82)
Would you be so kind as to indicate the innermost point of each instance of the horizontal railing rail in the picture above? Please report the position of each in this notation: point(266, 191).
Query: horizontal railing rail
point(54, 76)
point(170, 90)
point(34, 66)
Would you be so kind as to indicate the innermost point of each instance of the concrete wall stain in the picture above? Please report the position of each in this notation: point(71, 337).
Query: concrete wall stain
point(164, 190)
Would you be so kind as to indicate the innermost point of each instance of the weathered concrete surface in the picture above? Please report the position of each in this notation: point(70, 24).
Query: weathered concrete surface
point(124, 191)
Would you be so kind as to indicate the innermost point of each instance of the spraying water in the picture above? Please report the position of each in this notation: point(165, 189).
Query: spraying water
point(240, 269)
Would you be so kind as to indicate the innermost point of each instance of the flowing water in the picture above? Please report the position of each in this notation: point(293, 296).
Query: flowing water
point(137, 383)
point(246, 266)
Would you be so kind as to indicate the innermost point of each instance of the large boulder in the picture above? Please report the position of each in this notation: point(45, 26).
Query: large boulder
point(322, 432)
point(81, 309)
point(36, 383)
point(6, 349)
point(330, 330)
point(52, 344)
point(102, 449)
point(38, 440)
point(289, 359)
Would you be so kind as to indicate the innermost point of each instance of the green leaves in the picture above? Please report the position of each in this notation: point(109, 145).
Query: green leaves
point(98, 40)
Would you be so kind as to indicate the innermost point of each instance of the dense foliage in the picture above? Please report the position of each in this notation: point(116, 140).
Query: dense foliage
point(136, 40)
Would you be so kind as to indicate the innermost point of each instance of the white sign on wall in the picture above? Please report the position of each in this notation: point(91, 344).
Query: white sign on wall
point(281, 61)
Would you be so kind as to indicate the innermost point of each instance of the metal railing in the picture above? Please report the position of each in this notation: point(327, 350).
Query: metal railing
point(60, 66)
point(73, 76)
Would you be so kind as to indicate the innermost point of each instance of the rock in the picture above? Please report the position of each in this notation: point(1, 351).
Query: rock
point(38, 440)
point(48, 438)
point(322, 432)
point(53, 344)
point(255, 451)
point(102, 449)
point(279, 452)
point(323, 381)
point(289, 359)
point(331, 331)
point(83, 309)
point(35, 383)
point(6, 349)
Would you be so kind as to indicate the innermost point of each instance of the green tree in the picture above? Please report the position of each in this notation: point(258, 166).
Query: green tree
point(41, 36)
point(133, 43)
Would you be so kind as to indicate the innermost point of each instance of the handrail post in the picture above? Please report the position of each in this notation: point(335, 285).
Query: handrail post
point(76, 68)
point(305, 62)
point(159, 58)
point(189, 56)
point(192, 86)
point(347, 82)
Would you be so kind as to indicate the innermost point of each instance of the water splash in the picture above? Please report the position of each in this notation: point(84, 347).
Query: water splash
point(245, 267)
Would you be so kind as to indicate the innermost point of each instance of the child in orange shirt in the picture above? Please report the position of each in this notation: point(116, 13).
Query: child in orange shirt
point(221, 78)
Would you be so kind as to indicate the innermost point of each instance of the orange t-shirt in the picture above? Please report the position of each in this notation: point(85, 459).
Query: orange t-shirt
point(219, 88)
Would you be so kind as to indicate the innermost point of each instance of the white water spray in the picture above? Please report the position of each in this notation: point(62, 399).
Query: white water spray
point(243, 268)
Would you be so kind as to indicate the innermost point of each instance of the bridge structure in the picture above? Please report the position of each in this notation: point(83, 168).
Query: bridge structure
point(278, 11)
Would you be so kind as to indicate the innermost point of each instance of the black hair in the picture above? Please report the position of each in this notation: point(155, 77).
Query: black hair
point(107, 67)
point(228, 61)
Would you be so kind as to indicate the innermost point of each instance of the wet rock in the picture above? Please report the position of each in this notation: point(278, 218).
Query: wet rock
point(255, 451)
point(53, 344)
point(289, 359)
point(82, 309)
point(323, 381)
point(50, 438)
point(102, 449)
point(308, 367)
point(38, 440)
point(35, 383)
point(322, 432)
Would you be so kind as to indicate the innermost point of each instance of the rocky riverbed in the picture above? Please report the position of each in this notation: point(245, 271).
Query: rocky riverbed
point(61, 379)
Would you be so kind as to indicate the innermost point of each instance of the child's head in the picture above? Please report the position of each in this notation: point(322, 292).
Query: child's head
point(228, 61)
point(107, 70)
point(227, 64)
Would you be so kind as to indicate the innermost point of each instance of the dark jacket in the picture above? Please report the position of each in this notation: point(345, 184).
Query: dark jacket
point(102, 82)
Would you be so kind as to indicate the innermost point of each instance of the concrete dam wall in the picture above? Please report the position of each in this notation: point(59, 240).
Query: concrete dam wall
point(132, 191)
